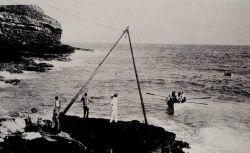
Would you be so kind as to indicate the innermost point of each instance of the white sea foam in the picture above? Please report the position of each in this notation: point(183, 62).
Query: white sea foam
point(12, 126)
point(4, 85)
point(31, 135)
point(221, 140)
point(77, 60)
point(24, 75)
point(220, 135)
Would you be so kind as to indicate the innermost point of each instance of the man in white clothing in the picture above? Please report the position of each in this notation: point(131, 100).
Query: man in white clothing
point(114, 102)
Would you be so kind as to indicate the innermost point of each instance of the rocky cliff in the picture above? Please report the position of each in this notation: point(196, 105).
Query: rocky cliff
point(27, 33)
point(26, 26)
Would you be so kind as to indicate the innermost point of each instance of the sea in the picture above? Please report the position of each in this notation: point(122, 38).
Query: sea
point(221, 126)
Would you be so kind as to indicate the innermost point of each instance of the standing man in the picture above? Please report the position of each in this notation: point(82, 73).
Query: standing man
point(173, 99)
point(86, 100)
point(114, 102)
point(56, 113)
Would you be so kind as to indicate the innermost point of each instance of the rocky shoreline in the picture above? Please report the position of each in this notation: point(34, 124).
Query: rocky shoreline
point(27, 34)
point(95, 136)
point(25, 60)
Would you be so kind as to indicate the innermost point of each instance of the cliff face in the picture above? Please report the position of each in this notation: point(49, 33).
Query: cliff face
point(27, 33)
point(25, 26)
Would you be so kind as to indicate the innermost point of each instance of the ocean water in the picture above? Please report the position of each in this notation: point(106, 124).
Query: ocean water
point(222, 126)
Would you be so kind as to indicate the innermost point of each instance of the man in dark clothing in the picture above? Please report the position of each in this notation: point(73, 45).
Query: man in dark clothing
point(173, 99)
point(56, 113)
point(86, 100)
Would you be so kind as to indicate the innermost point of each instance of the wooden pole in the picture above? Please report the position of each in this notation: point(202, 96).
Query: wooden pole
point(92, 75)
point(137, 78)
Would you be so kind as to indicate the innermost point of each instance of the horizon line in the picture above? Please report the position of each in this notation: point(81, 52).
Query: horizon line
point(146, 43)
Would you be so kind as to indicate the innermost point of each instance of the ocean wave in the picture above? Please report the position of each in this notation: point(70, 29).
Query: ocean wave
point(153, 81)
point(230, 90)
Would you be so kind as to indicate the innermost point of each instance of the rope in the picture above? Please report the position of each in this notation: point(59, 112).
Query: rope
point(92, 75)
point(73, 15)
point(85, 19)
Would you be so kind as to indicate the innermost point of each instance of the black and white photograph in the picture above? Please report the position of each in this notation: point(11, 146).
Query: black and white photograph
point(124, 76)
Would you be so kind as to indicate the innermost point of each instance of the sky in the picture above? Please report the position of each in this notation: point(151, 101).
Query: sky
point(223, 22)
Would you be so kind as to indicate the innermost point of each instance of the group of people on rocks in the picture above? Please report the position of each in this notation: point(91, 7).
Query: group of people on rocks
point(33, 120)
point(86, 100)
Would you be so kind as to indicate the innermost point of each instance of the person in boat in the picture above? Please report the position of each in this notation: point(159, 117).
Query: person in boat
point(86, 100)
point(56, 113)
point(114, 103)
point(171, 99)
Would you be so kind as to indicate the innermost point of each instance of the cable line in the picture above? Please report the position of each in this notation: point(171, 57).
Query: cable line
point(76, 16)
point(85, 19)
